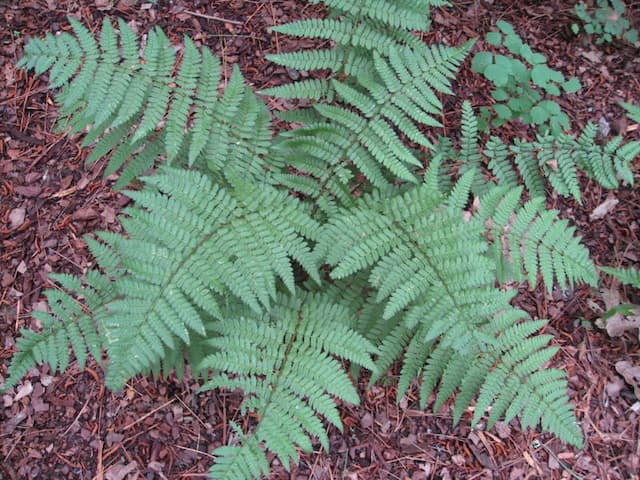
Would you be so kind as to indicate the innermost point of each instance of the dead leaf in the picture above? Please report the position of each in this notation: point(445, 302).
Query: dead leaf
point(631, 375)
point(21, 268)
point(618, 324)
point(553, 165)
point(24, 391)
point(604, 208)
point(29, 191)
point(592, 55)
point(103, 4)
point(16, 217)
point(610, 297)
point(503, 429)
point(614, 387)
point(85, 213)
point(119, 471)
point(366, 421)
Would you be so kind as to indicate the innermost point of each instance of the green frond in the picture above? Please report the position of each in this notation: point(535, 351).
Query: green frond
point(182, 98)
point(499, 164)
point(312, 89)
point(633, 111)
point(139, 107)
point(534, 241)
point(181, 227)
point(469, 156)
point(159, 71)
point(527, 164)
point(406, 15)
point(284, 362)
point(322, 59)
point(518, 385)
point(69, 324)
point(344, 32)
point(204, 107)
point(400, 96)
point(628, 276)
point(412, 242)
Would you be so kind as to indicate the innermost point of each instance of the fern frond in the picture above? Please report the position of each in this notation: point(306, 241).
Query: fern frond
point(628, 276)
point(284, 362)
point(633, 111)
point(499, 164)
point(517, 385)
point(400, 96)
point(534, 241)
point(469, 157)
point(178, 115)
point(70, 323)
point(413, 242)
point(122, 96)
point(184, 254)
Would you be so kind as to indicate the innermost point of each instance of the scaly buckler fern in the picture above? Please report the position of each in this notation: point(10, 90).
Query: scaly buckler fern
point(371, 261)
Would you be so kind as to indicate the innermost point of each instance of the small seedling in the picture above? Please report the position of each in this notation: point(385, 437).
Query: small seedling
point(522, 87)
point(606, 22)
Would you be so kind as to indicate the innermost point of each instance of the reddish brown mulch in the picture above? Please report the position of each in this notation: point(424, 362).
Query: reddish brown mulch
point(69, 427)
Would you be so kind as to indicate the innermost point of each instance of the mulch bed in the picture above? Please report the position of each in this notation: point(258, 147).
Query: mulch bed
point(70, 427)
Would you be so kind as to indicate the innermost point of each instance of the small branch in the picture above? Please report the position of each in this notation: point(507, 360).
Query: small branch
point(213, 17)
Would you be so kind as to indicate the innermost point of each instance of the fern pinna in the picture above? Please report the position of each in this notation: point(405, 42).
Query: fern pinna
point(261, 261)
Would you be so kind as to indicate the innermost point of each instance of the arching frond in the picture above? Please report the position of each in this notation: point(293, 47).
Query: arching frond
point(284, 363)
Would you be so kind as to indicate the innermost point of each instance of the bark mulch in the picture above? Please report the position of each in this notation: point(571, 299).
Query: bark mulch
point(68, 426)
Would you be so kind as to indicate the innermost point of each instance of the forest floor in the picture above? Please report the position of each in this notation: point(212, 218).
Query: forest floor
point(68, 426)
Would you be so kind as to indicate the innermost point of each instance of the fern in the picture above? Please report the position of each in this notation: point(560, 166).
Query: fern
point(533, 241)
point(122, 96)
point(556, 158)
point(261, 261)
point(358, 29)
point(633, 111)
point(628, 276)
point(360, 135)
point(69, 323)
point(283, 362)
point(175, 239)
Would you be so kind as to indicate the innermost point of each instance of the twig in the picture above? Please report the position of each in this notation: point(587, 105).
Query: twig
point(213, 17)
point(127, 427)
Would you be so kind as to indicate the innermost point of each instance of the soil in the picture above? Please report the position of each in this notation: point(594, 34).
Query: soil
point(68, 426)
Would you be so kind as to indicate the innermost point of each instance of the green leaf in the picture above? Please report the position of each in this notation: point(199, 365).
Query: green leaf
point(513, 43)
point(494, 38)
point(530, 56)
point(572, 85)
point(539, 115)
point(505, 27)
point(542, 75)
point(520, 71)
point(500, 95)
point(481, 61)
point(503, 111)
point(497, 75)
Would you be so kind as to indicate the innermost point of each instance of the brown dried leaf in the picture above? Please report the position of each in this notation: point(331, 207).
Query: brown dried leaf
point(604, 209)
point(613, 388)
point(85, 213)
point(631, 374)
point(29, 191)
point(120, 471)
point(24, 391)
point(618, 324)
point(16, 217)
